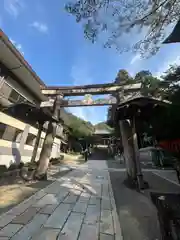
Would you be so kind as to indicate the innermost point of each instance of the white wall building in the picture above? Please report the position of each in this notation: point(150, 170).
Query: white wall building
point(19, 83)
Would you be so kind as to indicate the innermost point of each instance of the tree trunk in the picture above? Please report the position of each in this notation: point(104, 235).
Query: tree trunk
point(41, 171)
point(128, 146)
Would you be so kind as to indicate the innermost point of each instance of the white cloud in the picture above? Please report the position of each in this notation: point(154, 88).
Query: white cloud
point(165, 66)
point(17, 45)
point(41, 27)
point(14, 7)
point(135, 58)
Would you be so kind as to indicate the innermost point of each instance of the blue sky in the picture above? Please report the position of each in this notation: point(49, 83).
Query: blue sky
point(54, 45)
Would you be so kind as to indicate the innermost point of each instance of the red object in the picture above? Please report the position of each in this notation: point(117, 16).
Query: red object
point(171, 145)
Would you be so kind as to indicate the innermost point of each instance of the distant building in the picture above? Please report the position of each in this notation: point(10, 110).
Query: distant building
point(102, 136)
point(19, 83)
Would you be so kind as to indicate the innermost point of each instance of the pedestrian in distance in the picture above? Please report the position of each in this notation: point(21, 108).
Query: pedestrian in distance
point(86, 154)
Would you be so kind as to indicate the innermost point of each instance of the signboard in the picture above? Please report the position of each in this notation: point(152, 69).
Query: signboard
point(49, 103)
point(87, 101)
point(91, 89)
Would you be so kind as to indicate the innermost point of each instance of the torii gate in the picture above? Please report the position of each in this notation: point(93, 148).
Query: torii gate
point(88, 90)
point(56, 96)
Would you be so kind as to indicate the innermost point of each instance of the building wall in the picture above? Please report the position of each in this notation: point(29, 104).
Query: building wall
point(17, 141)
point(10, 89)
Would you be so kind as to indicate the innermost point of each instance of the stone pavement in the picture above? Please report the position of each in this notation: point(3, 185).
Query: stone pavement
point(78, 206)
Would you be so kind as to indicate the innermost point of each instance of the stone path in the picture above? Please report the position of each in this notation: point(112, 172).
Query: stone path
point(77, 206)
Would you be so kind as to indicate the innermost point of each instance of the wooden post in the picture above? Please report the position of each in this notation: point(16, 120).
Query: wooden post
point(45, 155)
point(126, 135)
point(136, 155)
point(36, 145)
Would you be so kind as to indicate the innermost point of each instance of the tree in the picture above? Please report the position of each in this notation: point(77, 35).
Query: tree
point(171, 79)
point(123, 77)
point(150, 84)
point(164, 123)
point(140, 76)
point(114, 19)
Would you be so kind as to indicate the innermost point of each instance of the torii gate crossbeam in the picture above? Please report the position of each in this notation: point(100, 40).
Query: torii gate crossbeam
point(94, 89)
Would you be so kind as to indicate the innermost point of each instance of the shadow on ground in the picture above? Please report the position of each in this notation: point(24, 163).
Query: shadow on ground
point(137, 214)
point(14, 190)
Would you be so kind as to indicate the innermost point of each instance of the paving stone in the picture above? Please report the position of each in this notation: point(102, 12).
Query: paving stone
point(71, 198)
point(10, 230)
point(39, 194)
point(59, 217)
point(68, 201)
point(106, 236)
point(105, 190)
point(80, 207)
point(72, 227)
point(62, 195)
point(117, 228)
point(5, 219)
point(106, 223)
point(88, 232)
point(92, 215)
point(47, 199)
point(46, 234)
point(31, 228)
point(93, 190)
point(20, 208)
point(94, 200)
point(106, 204)
point(84, 197)
point(25, 217)
point(78, 187)
point(68, 185)
point(76, 192)
point(111, 192)
point(48, 209)
point(53, 189)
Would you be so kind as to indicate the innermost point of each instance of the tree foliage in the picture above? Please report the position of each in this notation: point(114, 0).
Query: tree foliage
point(79, 127)
point(163, 124)
point(114, 19)
point(123, 77)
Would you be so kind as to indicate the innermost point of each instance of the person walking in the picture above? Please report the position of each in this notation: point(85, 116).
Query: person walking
point(86, 154)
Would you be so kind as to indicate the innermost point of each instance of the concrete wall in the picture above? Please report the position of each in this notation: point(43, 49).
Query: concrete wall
point(21, 148)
